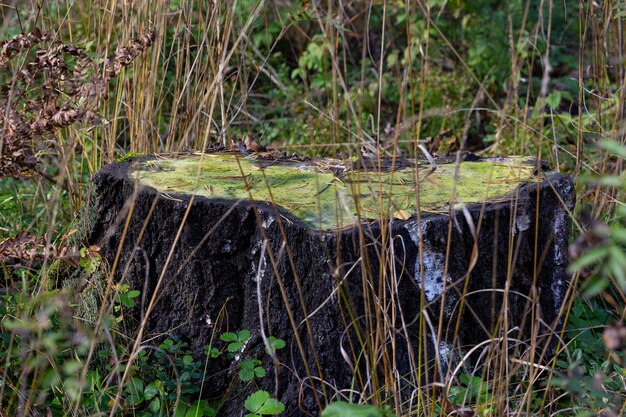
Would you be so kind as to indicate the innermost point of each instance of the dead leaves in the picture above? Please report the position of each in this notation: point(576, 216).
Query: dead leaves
point(20, 43)
point(24, 246)
point(124, 55)
point(57, 85)
point(28, 248)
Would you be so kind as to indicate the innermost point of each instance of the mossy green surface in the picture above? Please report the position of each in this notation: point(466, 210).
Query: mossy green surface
point(325, 199)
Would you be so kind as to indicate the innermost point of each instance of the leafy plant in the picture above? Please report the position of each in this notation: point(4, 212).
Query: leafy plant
point(274, 344)
point(199, 408)
point(344, 409)
point(125, 299)
point(260, 404)
point(600, 253)
point(89, 259)
point(592, 374)
point(250, 369)
point(236, 341)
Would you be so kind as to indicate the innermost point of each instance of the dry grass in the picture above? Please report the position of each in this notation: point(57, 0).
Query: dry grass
point(98, 79)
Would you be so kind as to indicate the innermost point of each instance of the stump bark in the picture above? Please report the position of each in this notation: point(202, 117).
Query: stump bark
point(344, 281)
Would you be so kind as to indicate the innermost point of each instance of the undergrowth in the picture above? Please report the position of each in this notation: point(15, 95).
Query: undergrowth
point(84, 83)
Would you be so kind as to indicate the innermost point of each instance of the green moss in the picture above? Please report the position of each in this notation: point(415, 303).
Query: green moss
point(325, 200)
point(127, 156)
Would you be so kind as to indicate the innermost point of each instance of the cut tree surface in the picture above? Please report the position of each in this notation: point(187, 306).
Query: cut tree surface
point(329, 194)
point(332, 257)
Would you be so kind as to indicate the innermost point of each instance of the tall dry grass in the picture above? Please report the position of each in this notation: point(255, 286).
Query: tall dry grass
point(192, 85)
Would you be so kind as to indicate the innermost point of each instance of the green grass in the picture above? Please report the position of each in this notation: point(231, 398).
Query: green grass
point(322, 80)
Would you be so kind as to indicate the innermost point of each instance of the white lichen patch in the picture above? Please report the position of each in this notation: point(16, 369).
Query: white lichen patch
point(431, 264)
point(445, 350)
point(259, 273)
point(433, 274)
point(522, 223)
point(267, 222)
point(326, 199)
point(256, 271)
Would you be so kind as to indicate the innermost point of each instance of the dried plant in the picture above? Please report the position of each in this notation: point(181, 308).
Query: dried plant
point(49, 88)
point(24, 246)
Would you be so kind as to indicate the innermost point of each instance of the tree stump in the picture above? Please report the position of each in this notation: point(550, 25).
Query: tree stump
point(335, 258)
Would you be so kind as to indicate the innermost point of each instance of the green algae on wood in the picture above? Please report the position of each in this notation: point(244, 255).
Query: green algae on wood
point(328, 198)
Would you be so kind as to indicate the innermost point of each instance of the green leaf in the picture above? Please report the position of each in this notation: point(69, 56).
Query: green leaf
point(135, 385)
point(618, 273)
point(127, 302)
point(594, 286)
point(150, 391)
point(133, 294)
point(611, 181)
point(614, 147)
point(260, 403)
point(259, 372)
point(246, 375)
point(155, 405)
point(243, 335)
point(344, 409)
point(200, 408)
point(135, 389)
point(187, 360)
point(271, 406)
point(554, 99)
point(181, 410)
point(618, 255)
point(255, 401)
point(249, 364)
point(228, 337)
point(235, 347)
point(275, 344)
point(71, 367)
point(211, 352)
point(589, 258)
point(134, 398)
point(619, 235)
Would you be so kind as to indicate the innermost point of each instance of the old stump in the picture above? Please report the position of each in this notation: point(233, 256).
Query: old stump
point(344, 283)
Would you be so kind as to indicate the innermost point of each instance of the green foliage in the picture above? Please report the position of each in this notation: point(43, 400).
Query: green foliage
point(274, 344)
point(40, 347)
point(601, 251)
point(314, 61)
point(165, 381)
point(344, 409)
point(471, 390)
point(126, 296)
point(284, 92)
point(251, 369)
point(199, 408)
point(88, 261)
point(236, 341)
point(591, 375)
point(260, 404)
point(26, 205)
